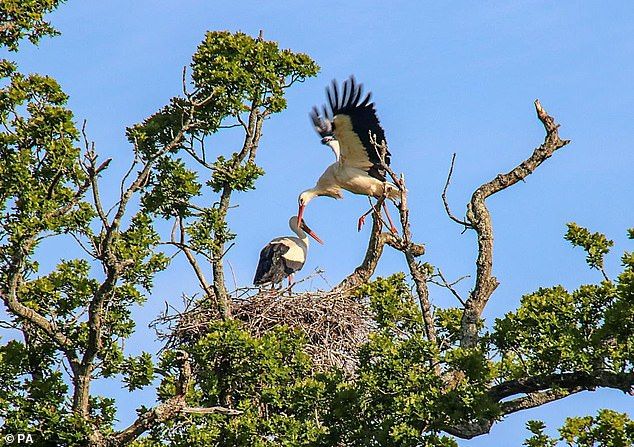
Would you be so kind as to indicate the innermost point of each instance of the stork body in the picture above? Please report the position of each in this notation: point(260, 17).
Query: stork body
point(347, 127)
point(285, 255)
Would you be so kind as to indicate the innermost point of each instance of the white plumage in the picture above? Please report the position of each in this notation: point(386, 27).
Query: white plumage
point(347, 128)
point(284, 255)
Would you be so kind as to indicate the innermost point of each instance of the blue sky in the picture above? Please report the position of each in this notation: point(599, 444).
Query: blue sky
point(446, 77)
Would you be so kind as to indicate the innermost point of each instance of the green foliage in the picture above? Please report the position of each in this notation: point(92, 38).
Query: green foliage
point(585, 330)
point(270, 379)
point(160, 130)
point(33, 394)
point(618, 329)
point(539, 438)
point(398, 399)
point(45, 178)
point(448, 323)
point(608, 429)
point(234, 77)
point(209, 232)
point(230, 173)
point(39, 162)
point(395, 399)
point(171, 189)
point(25, 18)
point(230, 70)
point(596, 245)
point(393, 305)
point(406, 389)
point(138, 371)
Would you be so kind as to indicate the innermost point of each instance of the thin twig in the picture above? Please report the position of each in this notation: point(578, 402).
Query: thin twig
point(449, 286)
point(444, 197)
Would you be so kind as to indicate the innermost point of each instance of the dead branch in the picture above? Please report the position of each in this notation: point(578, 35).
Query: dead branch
point(372, 255)
point(444, 197)
point(449, 286)
point(407, 246)
point(479, 218)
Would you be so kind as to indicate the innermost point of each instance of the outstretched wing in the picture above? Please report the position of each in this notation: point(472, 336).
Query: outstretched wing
point(354, 125)
point(322, 124)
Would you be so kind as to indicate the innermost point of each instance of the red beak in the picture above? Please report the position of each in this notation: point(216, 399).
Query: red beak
point(311, 233)
point(300, 215)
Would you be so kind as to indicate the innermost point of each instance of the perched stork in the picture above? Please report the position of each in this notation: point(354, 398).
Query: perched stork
point(347, 127)
point(285, 255)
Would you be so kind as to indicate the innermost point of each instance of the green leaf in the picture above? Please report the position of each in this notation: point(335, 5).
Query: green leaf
point(596, 245)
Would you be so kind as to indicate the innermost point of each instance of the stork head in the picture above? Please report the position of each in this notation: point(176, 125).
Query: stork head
point(302, 201)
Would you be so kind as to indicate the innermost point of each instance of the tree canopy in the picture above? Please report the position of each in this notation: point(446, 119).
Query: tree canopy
point(423, 376)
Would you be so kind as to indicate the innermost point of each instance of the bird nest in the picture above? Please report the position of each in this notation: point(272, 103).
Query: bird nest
point(334, 324)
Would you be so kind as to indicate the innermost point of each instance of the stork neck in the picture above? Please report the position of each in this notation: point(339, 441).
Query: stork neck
point(334, 145)
point(301, 234)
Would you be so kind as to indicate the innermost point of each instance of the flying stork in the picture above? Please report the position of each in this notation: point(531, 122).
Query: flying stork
point(346, 127)
point(285, 255)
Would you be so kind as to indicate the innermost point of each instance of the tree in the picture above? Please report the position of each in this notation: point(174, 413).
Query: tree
point(420, 372)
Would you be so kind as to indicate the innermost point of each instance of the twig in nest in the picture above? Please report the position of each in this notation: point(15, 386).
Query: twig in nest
point(333, 325)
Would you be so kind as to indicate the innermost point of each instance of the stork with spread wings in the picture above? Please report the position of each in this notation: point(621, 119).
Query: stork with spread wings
point(350, 127)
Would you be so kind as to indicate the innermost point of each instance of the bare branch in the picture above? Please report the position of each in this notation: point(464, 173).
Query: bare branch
point(537, 399)
point(408, 247)
point(192, 151)
point(253, 132)
point(539, 390)
point(480, 219)
point(372, 255)
point(444, 197)
point(567, 380)
point(211, 410)
point(209, 291)
point(449, 286)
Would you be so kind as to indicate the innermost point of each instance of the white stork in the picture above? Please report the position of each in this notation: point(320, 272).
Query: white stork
point(285, 255)
point(346, 128)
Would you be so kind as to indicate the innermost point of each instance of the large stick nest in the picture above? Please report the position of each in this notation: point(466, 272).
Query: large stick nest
point(334, 324)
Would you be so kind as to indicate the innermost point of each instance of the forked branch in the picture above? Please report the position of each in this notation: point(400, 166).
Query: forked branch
point(479, 219)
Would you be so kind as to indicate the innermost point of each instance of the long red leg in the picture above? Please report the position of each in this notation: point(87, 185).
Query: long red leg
point(389, 219)
point(362, 219)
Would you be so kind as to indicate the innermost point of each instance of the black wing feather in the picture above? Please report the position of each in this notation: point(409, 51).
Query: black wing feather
point(323, 126)
point(363, 116)
point(362, 113)
point(271, 267)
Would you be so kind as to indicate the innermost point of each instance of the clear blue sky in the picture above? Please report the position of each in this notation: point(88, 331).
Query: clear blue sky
point(447, 77)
